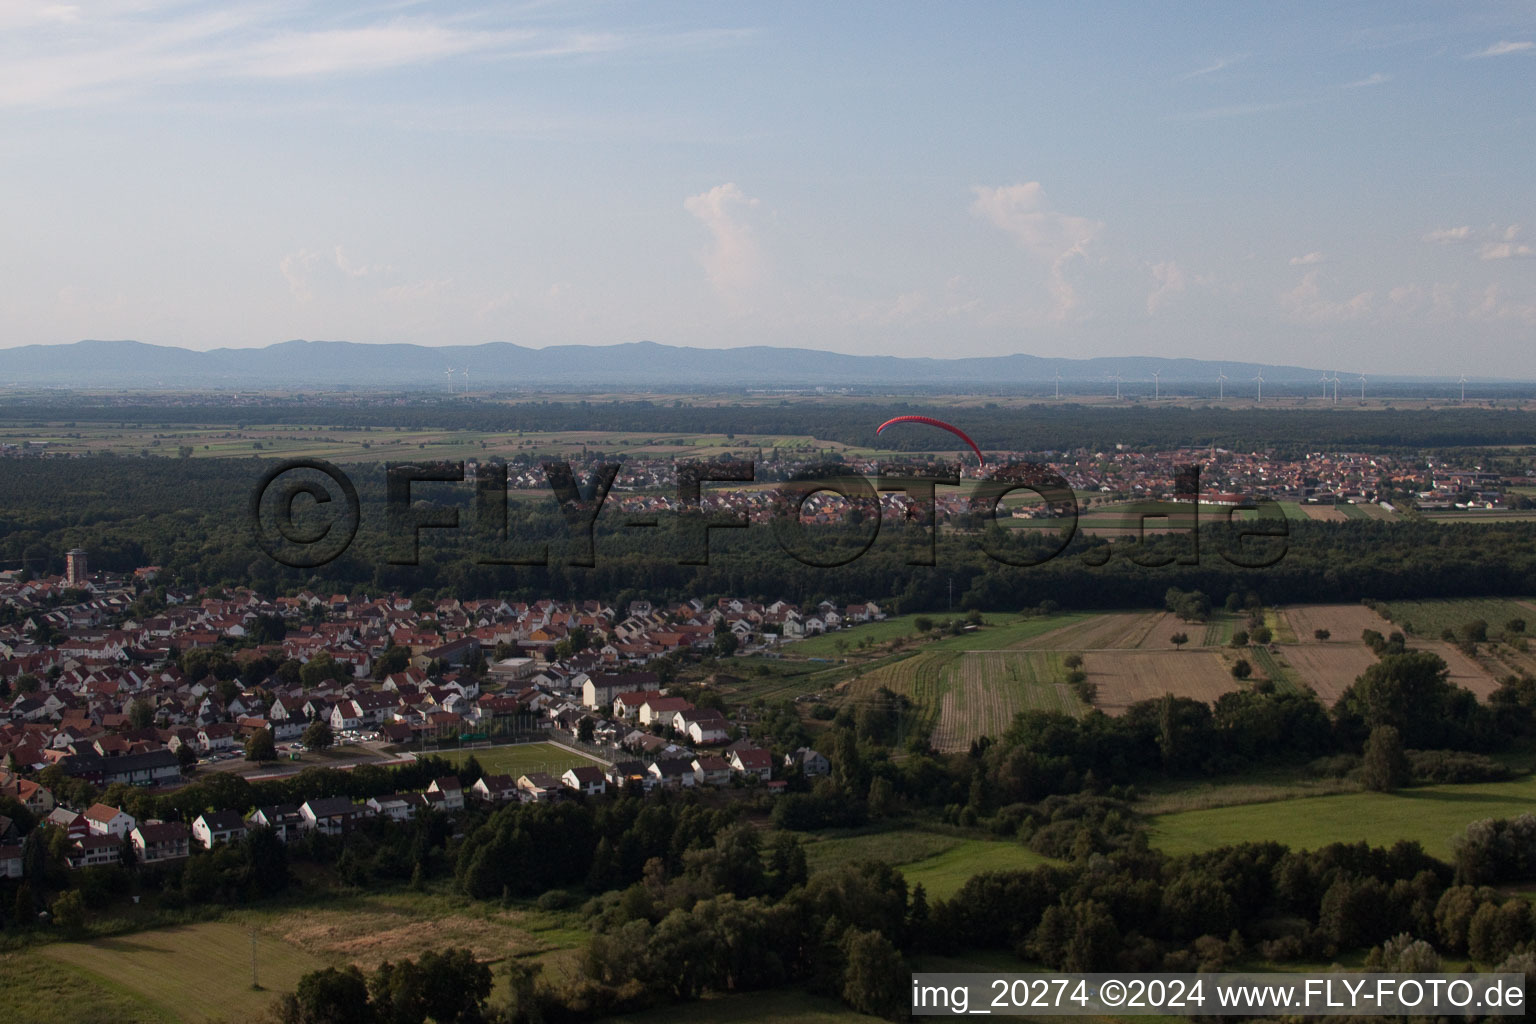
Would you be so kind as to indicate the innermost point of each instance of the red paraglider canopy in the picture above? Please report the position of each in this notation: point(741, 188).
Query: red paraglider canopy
point(941, 425)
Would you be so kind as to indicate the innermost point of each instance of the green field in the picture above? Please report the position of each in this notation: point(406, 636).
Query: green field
point(1273, 668)
point(897, 627)
point(1429, 619)
point(37, 989)
point(1000, 633)
point(201, 973)
point(941, 863)
point(356, 444)
point(521, 758)
point(958, 696)
point(1432, 815)
point(996, 631)
point(193, 973)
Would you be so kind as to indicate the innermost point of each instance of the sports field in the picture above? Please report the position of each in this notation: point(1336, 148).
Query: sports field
point(1432, 815)
point(521, 758)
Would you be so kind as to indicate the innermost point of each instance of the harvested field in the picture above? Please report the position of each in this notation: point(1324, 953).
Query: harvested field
point(1164, 626)
point(367, 939)
point(1464, 671)
point(1324, 513)
point(1125, 677)
point(1111, 631)
point(1344, 621)
point(1329, 668)
point(924, 678)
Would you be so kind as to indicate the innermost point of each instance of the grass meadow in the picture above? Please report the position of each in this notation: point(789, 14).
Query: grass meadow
point(520, 758)
point(1432, 815)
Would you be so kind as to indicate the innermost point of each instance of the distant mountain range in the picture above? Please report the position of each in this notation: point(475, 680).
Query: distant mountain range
point(641, 365)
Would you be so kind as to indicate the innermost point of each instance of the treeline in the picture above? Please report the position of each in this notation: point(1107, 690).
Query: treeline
point(117, 509)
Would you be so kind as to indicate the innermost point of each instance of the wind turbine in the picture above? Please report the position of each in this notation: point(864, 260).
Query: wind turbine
point(1362, 387)
point(1463, 383)
point(450, 372)
point(1221, 386)
point(1058, 384)
point(1324, 379)
point(1260, 379)
point(1335, 387)
point(1157, 385)
point(1118, 379)
point(466, 378)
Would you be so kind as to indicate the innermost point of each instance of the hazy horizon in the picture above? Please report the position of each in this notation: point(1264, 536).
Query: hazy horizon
point(1311, 186)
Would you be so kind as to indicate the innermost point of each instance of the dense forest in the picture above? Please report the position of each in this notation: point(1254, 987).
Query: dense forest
point(190, 517)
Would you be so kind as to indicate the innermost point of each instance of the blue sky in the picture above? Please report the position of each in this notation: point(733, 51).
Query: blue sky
point(1323, 184)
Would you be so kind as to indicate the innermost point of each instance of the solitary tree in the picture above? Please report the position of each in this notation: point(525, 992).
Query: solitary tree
point(1179, 639)
point(1242, 670)
point(259, 746)
point(318, 735)
point(1321, 634)
point(1385, 767)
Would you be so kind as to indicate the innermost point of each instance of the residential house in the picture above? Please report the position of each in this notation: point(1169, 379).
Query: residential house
point(538, 787)
point(95, 850)
point(218, 827)
point(398, 806)
point(332, 816)
point(702, 725)
point(160, 841)
point(809, 761)
point(109, 821)
point(622, 773)
point(284, 820)
point(587, 778)
point(672, 772)
point(751, 761)
point(34, 796)
point(627, 705)
point(217, 738)
point(710, 770)
point(449, 791)
point(494, 789)
point(662, 709)
point(600, 689)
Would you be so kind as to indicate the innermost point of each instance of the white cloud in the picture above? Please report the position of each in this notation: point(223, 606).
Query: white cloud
point(1170, 282)
point(734, 263)
point(1306, 302)
point(1447, 236)
point(1504, 47)
point(1369, 80)
point(1057, 238)
point(1220, 64)
point(57, 56)
point(296, 268)
point(1494, 242)
point(1307, 260)
point(1504, 251)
